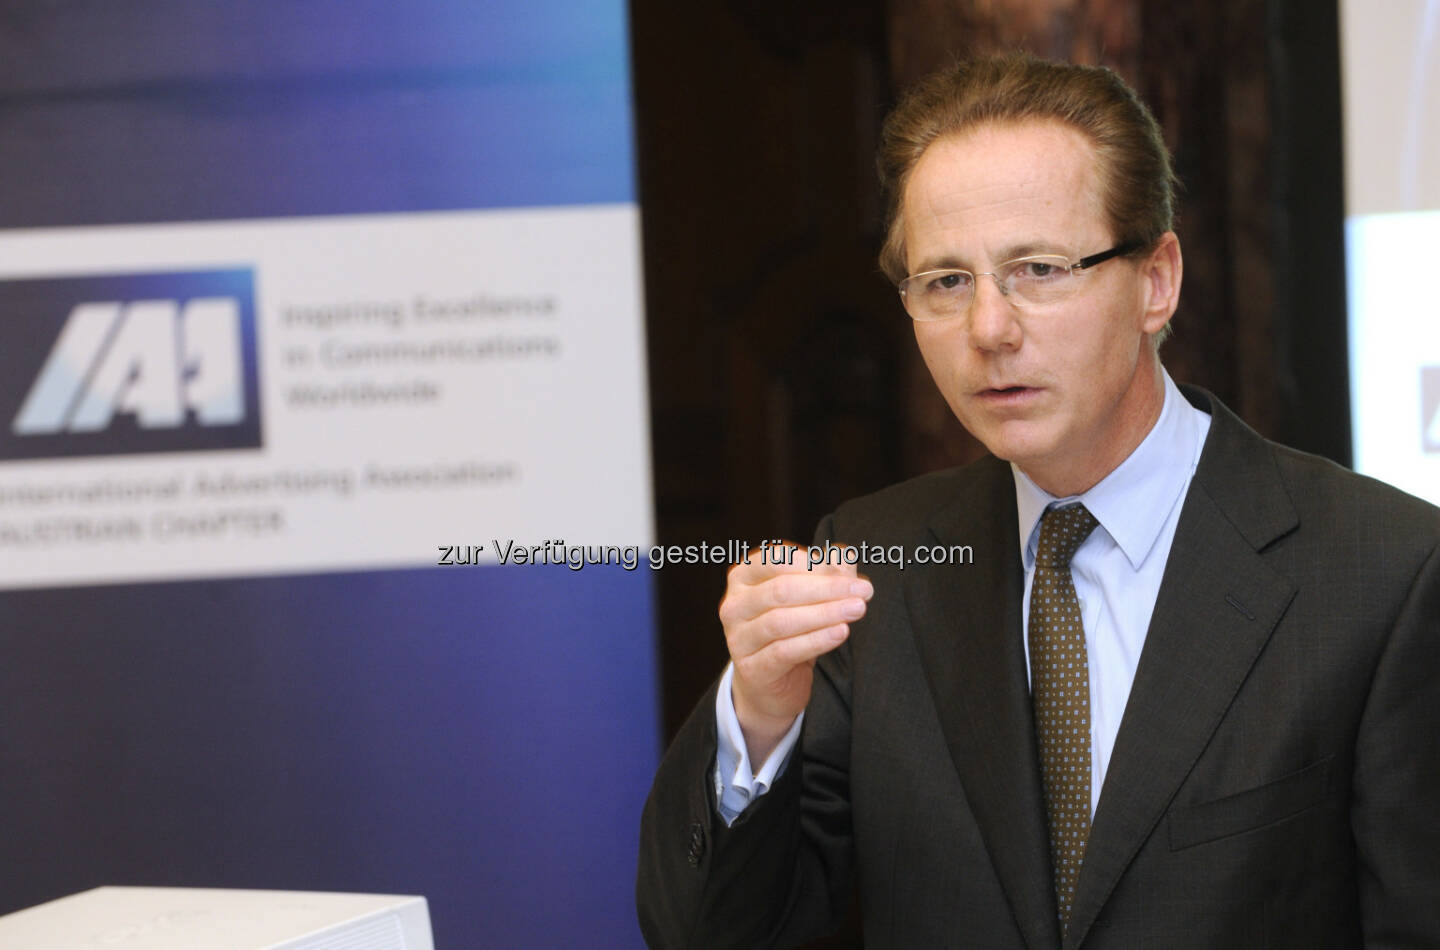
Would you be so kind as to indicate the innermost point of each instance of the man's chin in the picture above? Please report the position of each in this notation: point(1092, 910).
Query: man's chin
point(1016, 441)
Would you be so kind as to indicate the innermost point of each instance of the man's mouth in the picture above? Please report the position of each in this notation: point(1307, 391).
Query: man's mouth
point(1007, 395)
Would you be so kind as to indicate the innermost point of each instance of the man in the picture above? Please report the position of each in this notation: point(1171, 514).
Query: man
point(1184, 691)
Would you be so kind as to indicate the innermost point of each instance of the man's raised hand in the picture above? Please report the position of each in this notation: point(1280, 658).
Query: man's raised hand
point(779, 615)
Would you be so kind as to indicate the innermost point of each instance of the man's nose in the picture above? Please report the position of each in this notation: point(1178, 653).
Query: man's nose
point(992, 315)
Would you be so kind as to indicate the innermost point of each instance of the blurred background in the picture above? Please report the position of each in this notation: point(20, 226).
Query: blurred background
point(568, 271)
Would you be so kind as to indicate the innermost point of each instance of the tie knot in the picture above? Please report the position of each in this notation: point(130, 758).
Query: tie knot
point(1062, 531)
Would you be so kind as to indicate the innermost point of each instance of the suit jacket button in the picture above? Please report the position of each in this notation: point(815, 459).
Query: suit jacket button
point(697, 843)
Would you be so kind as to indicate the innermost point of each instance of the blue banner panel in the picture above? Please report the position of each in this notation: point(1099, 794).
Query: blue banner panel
point(173, 111)
point(82, 45)
point(470, 734)
point(211, 212)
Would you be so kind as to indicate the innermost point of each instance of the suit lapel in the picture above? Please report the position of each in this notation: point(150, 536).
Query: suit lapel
point(1217, 605)
point(969, 638)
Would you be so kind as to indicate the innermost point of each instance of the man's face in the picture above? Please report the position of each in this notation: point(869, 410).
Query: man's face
point(1067, 391)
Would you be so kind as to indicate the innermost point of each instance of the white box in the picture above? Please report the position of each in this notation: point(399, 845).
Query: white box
point(182, 918)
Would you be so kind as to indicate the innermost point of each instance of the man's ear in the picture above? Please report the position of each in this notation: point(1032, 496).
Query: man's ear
point(1162, 271)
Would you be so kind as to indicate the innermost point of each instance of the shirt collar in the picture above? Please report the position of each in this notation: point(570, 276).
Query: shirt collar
point(1133, 502)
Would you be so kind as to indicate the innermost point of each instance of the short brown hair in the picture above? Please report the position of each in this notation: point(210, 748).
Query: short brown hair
point(1138, 191)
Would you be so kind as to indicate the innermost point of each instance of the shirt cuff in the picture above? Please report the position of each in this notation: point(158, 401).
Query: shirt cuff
point(736, 786)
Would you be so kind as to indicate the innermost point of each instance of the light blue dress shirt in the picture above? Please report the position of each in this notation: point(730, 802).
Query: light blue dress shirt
point(1117, 574)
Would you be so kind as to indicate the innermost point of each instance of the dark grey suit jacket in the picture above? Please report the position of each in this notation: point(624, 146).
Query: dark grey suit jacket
point(1275, 781)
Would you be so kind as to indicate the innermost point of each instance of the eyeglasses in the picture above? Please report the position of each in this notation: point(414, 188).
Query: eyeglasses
point(1026, 281)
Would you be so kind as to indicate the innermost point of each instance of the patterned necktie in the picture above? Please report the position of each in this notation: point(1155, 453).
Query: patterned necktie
point(1060, 690)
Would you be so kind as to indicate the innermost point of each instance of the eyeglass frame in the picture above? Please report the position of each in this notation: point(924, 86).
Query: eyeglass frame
point(1084, 263)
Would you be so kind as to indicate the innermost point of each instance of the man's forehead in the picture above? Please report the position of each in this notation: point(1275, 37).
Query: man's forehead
point(1003, 164)
point(1018, 187)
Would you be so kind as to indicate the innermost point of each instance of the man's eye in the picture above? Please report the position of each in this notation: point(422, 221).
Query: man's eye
point(1038, 270)
point(948, 283)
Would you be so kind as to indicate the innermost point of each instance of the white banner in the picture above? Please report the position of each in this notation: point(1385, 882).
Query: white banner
point(424, 380)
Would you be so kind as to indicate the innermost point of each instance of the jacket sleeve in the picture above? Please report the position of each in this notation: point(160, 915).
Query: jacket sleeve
point(781, 873)
point(1397, 778)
